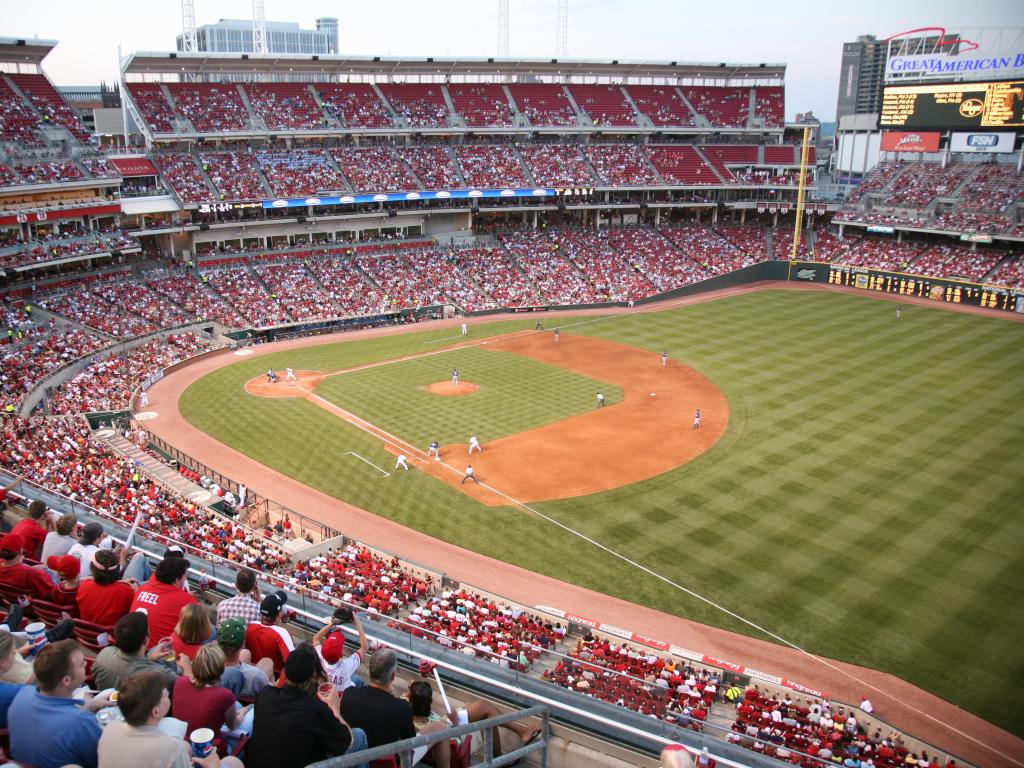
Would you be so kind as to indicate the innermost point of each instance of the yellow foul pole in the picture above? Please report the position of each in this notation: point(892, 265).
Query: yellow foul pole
point(804, 151)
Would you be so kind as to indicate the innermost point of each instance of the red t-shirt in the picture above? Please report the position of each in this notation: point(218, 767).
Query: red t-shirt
point(162, 603)
point(268, 641)
point(30, 581)
point(104, 605)
point(66, 597)
point(200, 707)
point(34, 535)
point(189, 649)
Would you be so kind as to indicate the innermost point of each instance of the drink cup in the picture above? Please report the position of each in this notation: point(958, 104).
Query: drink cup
point(36, 633)
point(202, 742)
point(325, 689)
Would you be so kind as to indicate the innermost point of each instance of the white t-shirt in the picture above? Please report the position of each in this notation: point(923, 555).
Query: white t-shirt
point(340, 672)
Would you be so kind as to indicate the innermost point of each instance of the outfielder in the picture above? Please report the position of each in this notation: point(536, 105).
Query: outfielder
point(465, 330)
point(401, 462)
point(289, 375)
point(474, 443)
point(434, 450)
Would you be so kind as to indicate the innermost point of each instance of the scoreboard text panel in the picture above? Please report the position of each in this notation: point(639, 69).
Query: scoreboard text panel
point(953, 106)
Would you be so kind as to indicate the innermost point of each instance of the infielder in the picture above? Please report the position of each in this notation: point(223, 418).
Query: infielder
point(539, 326)
point(664, 359)
point(465, 330)
point(289, 375)
point(455, 377)
point(434, 450)
point(556, 335)
point(696, 419)
point(600, 399)
point(469, 475)
point(401, 462)
point(474, 443)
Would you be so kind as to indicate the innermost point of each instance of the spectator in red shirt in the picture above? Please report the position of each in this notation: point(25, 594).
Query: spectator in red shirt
point(199, 699)
point(33, 582)
point(192, 631)
point(66, 591)
point(163, 596)
point(8, 488)
point(266, 638)
point(104, 598)
point(33, 530)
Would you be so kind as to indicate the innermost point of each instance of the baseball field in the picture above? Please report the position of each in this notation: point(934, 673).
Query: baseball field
point(855, 488)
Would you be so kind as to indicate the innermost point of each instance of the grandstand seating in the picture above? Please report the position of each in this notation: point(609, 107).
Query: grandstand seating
point(153, 105)
point(491, 166)
point(770, 104)
point(51, 106)
point(882, 254)
point(970, 221)
point(356, 105)
point(943, 260)
point(300, 173)
point(709, 249)
point(876, 180)
point(351, 291)
point(828, 247)
point(558, 281)
point(481, 104)
point(422, 105)
point(662, 104)
point(193, 297)
point(723, 107)
point(921, 183)
point(235, 175)
point(498, 276)
point(247, 294)
point(18, 122)
point(782, 243)
point(184, 177)
point(747, 240)
point(285, 106)
point(604, 104)
point(50, 172)
point(211, 107)
point(99, 168)
point(301, 295)
point(25, 364)
point(993, 187)
point(681, 165)
point(98, 309)
point(543, 104)
point(621, 165)
point(375, 169)
point(433, 166)
point(557, 165)
point(1010, 273)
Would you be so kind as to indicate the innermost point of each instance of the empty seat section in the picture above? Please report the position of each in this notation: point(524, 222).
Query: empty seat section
point(605, 104)
point(481, 103)
point(422, 105)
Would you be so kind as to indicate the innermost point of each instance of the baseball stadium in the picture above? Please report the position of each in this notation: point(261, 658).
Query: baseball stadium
point(638, 423)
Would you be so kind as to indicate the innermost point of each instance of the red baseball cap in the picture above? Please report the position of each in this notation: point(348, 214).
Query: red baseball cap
point(12, 542)
point(332, 648)
point(67, 566)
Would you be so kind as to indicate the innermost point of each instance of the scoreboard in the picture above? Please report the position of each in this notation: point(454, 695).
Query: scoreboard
point(953, 106)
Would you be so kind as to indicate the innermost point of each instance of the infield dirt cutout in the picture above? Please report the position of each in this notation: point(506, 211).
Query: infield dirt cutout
point(648, 433)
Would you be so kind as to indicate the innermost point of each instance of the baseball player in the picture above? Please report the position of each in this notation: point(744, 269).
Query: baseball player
point(144, 399)
point(600, 399)
point(401, 462)
point(465, 330)
point(271, 376)
point(469, 475)
point(434, 450)
point(289, 375)
point(664, 359)
point(899, 309)
point(696, 419)
point(539, 326)
point(455, 377)
point(474, 443)
point(556, 335)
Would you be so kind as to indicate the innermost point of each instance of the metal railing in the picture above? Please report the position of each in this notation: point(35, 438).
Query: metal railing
point(404, 749)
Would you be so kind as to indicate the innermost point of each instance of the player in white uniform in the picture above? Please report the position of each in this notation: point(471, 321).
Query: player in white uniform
point(600, 399)
point(401, 462)
point(434, 450)
point(696, 419)
point(474, 443)
point(289, 375)
point(465, 330)
point(664, 359)
point(143, 399)
point(557, 333)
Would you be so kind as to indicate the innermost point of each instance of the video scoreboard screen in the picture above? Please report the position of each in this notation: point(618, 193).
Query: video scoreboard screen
point(953, 106)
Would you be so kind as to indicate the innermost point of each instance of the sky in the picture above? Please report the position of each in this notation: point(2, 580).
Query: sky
point(806, 36)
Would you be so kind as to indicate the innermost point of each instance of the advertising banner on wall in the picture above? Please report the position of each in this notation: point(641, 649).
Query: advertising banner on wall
point(981, 141)
point(910, 141)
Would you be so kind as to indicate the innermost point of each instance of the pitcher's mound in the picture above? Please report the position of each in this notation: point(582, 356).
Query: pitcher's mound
point(447, 389)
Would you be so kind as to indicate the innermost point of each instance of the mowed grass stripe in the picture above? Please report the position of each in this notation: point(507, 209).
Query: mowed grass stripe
point(860, 452)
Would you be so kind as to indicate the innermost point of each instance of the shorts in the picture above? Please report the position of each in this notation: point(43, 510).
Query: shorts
point(463, 716)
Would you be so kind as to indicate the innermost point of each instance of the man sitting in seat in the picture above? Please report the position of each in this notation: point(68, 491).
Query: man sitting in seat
point(128, 656)
point(266, 638)
point(25, 579)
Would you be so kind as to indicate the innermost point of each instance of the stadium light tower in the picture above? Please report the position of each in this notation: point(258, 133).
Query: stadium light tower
point(562, 30)
point(259, 27)
point(503, 28)
point(189, 43)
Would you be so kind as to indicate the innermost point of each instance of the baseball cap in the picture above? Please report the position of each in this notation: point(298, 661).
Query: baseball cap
point(332, 648)
point(300, 665)
point(231, 632)
point(12, 543)
point(272, 603)
point(67, 566)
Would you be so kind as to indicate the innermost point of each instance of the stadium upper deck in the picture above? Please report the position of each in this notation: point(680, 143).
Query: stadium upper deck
point(175, 95)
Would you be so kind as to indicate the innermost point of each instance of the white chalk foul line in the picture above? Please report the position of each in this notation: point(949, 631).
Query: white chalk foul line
point(353, 453)
point(446, 338)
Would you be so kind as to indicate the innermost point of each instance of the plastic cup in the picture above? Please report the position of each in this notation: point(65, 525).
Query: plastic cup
point(36, 633)
point(202, 742)
point(325, 689)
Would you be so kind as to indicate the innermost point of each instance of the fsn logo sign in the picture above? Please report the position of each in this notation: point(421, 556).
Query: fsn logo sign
point(983, 140)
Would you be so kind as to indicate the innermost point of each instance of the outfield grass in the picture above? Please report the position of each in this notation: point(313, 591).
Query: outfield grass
point(863, 503)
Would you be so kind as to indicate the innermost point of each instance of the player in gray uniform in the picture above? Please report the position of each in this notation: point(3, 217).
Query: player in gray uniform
point(434, 450)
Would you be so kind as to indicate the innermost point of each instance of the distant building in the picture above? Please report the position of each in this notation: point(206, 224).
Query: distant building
point(235, 36)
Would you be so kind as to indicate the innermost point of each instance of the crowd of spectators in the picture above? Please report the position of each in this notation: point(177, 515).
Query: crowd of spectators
point(544, 104)
point(250, 298)
point(375, 169)
point(107, 383)
point(970, 221)
point(662, 104)
point(285, 106)
point(722, 106)
point(153, 104)
point(750, 241)
point(54, 172)
point(557, 165)
point(492, 165)
point(18, 122)
point(299, 293)
point(355, 104)
point(481, 104)
point(137, 299)
point(709, 249)
point(300, 173)
point(185, 178)
point(621, 165)
point(30, 360)
point(211, 107)
point(828, 247)
point(921, 183)
point(538, 255)
point(90, 308)
point(876, 180)
point(50, 104)
point(883, 254)
point(433, 166)
point(235, 175)
point(941, 260)
point(352, 292)
point(994, 187)
point(498, 276)
point(1010, 273)
point(421, 105)
point(195, 298)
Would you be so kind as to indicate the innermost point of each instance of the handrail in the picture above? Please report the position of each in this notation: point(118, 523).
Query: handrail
point(405, 747)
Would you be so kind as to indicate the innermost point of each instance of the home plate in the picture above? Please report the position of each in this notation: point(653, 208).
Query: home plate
point(654, 394)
